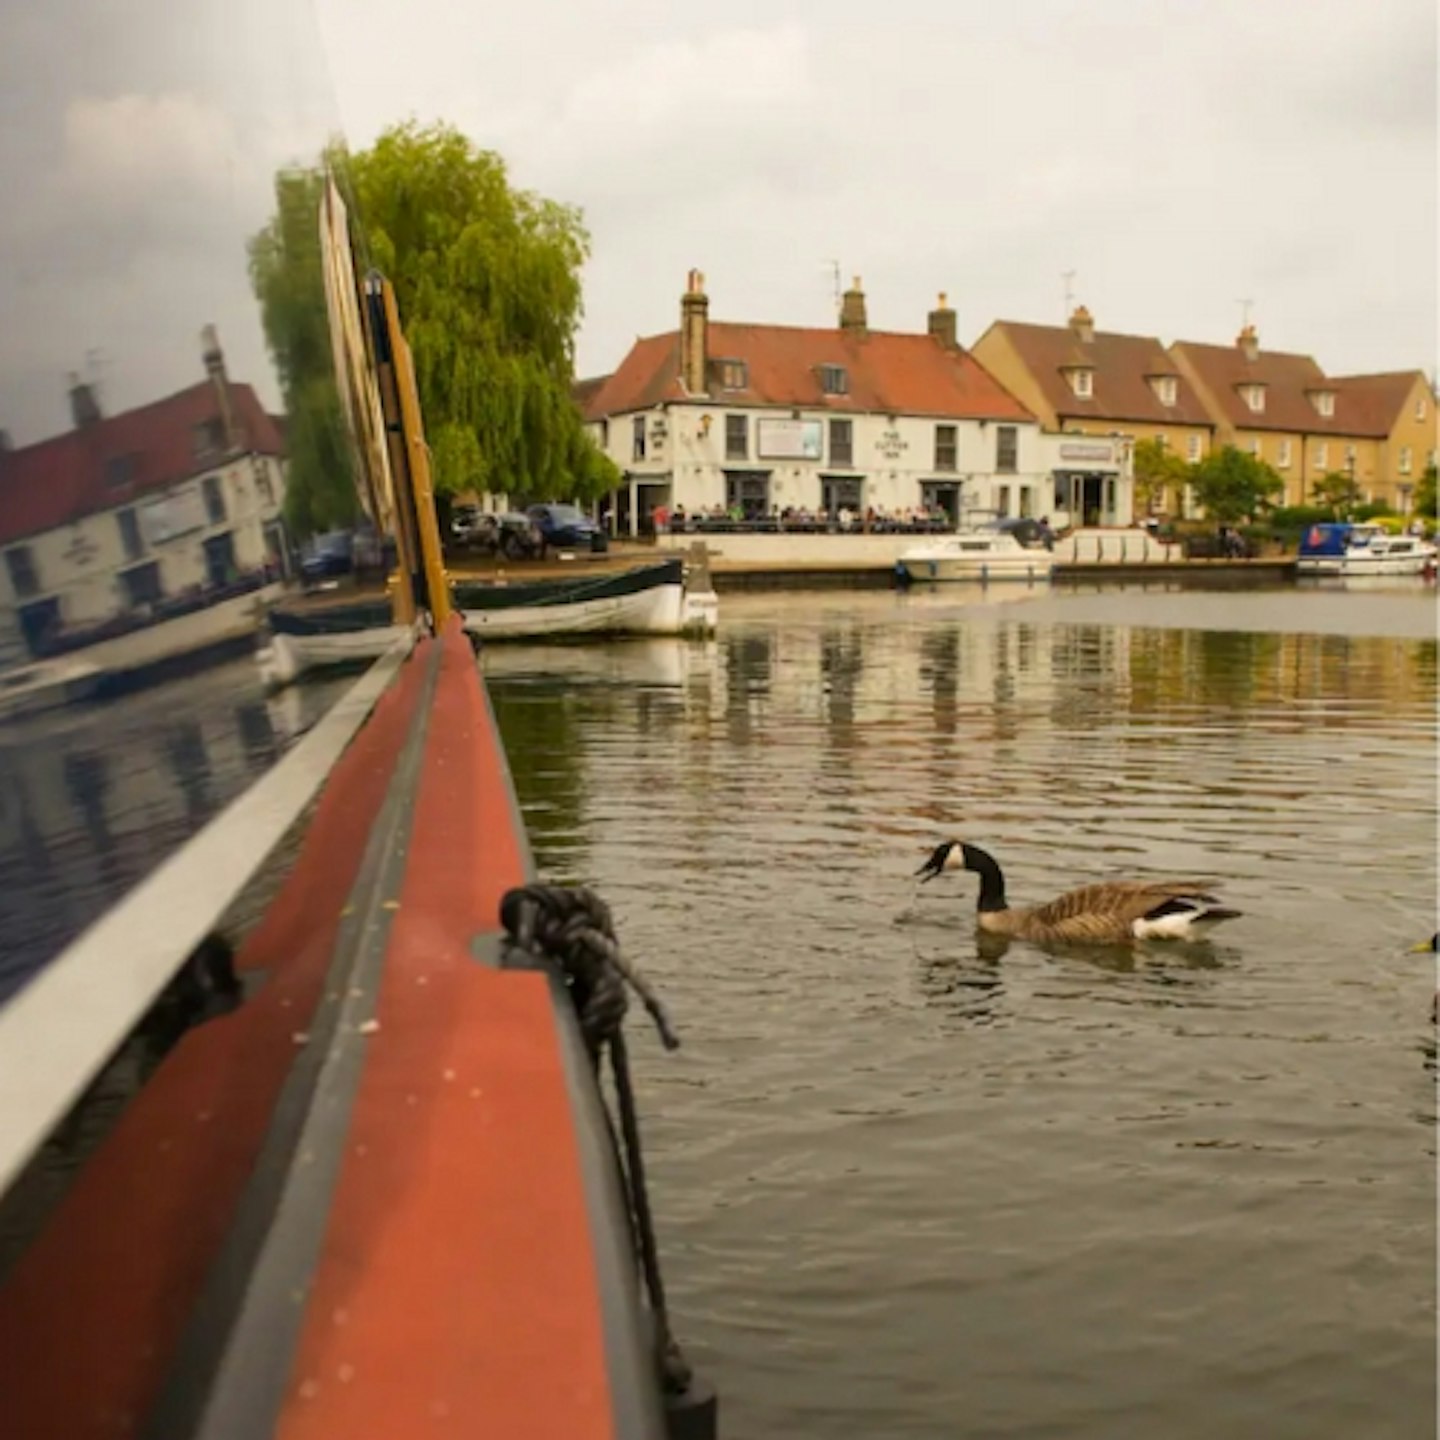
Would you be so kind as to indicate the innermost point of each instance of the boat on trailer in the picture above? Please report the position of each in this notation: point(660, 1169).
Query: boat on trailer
point(654, 599)
point(1358, 551)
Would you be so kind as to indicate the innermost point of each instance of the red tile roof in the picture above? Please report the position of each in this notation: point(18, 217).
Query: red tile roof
point(1377, 400)
point(1289, 381)
point(582, 392)
point(61, 480)
point(887, 373)
point(1122, 367)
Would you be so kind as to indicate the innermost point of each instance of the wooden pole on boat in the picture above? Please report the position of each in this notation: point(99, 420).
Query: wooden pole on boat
point(421, 582)
point(422, 494)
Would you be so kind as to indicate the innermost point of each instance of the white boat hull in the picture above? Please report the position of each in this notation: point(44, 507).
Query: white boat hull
point(1031, 567)
point(657, 610)
point(1413, 562)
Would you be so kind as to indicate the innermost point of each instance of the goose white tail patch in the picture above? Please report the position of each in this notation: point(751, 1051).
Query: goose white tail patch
point(1179, 920)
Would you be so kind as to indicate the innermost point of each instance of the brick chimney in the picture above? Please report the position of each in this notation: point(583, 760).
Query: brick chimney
point(84, 406)
point(694, 334)
point(941, 324)
point(852, 309)
point(1082, 325)
point(1249, 342)
point(214, 358)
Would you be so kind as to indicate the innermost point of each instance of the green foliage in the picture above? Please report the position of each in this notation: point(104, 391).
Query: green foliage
point(1232, 485)
point(1159, 474)
point(286, 275)
point(1337, 492)
point(488, 283)
point(1425, 493)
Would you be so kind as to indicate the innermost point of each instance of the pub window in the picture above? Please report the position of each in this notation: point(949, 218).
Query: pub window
point(20, 561)
point(214, 500)
point(834, 380)
point(842, 443)
point(945, 447)
point(637, 441)
point(737, 437)
point(130, 536)
point(734, 374)
point(1006, 449)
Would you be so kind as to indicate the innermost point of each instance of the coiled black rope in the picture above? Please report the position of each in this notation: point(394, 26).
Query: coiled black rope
point(573, 930)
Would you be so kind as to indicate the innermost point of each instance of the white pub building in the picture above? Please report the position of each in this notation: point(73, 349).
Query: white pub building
point(761, 420)
point(125, 511)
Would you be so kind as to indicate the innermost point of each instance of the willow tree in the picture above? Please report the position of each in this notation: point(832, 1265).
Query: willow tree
point(487, 278)
point(288, 282)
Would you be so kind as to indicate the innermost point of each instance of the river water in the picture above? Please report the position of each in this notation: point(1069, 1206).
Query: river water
point(908, 1187)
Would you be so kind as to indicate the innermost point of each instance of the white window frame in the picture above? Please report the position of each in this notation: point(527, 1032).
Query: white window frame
point(1255, 398)
point(1282, 455)
point(1422, 409)
point(1257, 449)
point(1192, 449)
point(1322, 455)
point(1082, 382)
point(1167, 390)
point(1325, 403)
point(1407, 459)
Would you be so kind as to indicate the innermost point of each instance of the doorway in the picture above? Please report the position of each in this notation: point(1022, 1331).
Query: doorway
point(220, 559)
point(942, 495)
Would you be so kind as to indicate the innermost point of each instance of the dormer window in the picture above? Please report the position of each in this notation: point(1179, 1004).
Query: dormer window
point(1254, 397)
point(734, 374)
point(834, 380)
point(1167, 388)
point(1324, 401)
point(1082, 382)
point(119, 471)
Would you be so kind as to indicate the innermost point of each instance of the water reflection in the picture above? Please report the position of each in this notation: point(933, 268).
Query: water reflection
point(850, 1037)
point(94, 798)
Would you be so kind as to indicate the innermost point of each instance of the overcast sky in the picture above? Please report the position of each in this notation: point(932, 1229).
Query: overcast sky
point(1178, 155)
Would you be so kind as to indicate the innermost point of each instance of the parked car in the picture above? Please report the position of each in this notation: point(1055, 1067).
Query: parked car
point(567, 527)
point(328, 556)
point(465, 523)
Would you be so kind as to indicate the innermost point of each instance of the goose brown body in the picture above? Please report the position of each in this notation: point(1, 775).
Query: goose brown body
point(1100, 914)
point(1110, 912)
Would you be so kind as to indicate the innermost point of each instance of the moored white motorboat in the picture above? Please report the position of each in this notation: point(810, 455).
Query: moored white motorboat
point(656, 599)
point(978, 554)
point(1361, 550)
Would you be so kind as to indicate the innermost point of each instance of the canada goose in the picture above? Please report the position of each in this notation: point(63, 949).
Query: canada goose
point(1110, 913)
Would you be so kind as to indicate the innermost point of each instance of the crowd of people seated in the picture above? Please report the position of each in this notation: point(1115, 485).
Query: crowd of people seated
point(800, 519)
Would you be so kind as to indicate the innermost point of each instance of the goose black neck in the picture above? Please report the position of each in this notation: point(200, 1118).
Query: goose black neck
point(992, 882)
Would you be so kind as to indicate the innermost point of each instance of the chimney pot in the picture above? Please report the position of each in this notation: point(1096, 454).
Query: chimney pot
point(1249, 342)
point(694, 334)
point(1083, 325)
point(84, 404)
point(852, 309)
point(940, 323)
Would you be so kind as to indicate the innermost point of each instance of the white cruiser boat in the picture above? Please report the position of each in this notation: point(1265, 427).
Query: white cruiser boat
point(979, 554)
point(1360, 550)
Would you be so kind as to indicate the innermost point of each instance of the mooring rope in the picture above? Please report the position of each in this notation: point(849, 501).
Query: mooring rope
point(573, 930)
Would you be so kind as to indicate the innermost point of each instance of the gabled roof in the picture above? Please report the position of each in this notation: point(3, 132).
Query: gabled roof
point(582, 392)
point(887, 373)
point(61, 480)
point(1122, 366)
point(1379, 400)
point(1289, 381)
